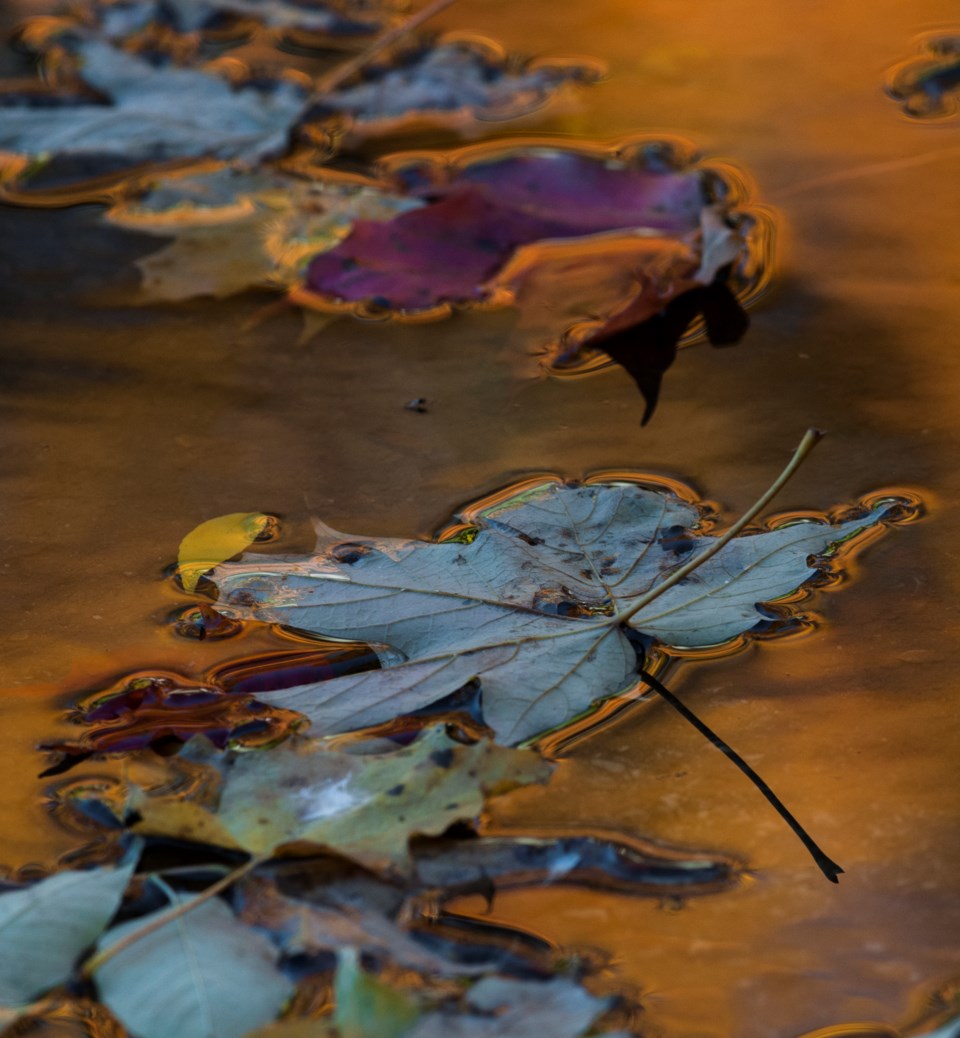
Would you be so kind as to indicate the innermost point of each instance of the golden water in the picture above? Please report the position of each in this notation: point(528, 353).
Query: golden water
point(125, 427)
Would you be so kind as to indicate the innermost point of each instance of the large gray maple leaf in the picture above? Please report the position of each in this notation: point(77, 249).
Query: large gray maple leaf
point(532, 607)
point(156, 113)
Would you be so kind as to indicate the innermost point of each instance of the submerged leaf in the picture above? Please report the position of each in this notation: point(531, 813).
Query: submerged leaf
point(44, 928)
point(204, 974)
point(362, 806)
point(215, 541)
point(233, 230)
point(306, 928)
point(530, 607)
point(451, 81)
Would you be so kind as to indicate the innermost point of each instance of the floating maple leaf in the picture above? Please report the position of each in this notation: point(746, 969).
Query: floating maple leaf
point(156, 113)
point(543, 605)
point(457, 82)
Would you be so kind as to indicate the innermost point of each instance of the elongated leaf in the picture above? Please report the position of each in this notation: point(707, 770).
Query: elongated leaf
point(44, 928)
point(364, 807)
point(530, 607)
point(216, 540)
point(205, 975)
point(366, 1007)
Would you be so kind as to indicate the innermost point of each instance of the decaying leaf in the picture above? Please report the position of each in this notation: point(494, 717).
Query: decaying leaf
point(160, 712)
point(156, 113)
point(458, 82)
point(455, 250)
point(234, 229)
point(304, 928)
point(362, 806)
point(203, 974)
point(531, 607)
point(45, 927)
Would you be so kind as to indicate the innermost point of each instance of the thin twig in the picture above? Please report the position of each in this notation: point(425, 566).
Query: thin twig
point(810, 439)
point(98, 960)
point(343, 72)
point(826, 865)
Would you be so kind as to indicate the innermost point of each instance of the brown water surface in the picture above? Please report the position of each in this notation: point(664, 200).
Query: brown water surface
point(124, 427)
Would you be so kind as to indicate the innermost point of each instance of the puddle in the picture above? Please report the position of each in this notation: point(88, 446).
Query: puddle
point(127, 426)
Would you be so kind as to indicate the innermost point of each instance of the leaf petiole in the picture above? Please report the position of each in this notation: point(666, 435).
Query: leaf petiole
point(99, 959)
point(810, 439)
point(343, 72)
point(826, 865)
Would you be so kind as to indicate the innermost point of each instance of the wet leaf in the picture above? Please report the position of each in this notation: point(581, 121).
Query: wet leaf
point(215, 541)
point(155, 113)
point(233, 230)
point(456, 249)
point(530, 607)
point(454, 82)
point(306, 928)
point(44, 928)
point(362, 806)
point(204, 974)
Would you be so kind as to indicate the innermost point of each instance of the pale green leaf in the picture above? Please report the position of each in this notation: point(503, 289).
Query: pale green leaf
point(44, 928)
point(530, 606)
point(366, 1007)
point(363, 806)
point(302, 927)
point(203, 975)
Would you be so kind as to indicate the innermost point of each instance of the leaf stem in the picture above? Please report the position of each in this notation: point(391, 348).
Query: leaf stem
point(810, 439)
point(98, 960)
point(333, 79)
point(827, 866)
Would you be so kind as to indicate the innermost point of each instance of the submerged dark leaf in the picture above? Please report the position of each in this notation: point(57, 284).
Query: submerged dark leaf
point(163, 712)
point(646, 350)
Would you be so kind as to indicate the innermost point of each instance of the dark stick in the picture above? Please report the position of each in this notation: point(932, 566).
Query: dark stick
point(828, 867)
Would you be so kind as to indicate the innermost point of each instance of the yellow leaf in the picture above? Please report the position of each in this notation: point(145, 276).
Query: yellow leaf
point(215, 541)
